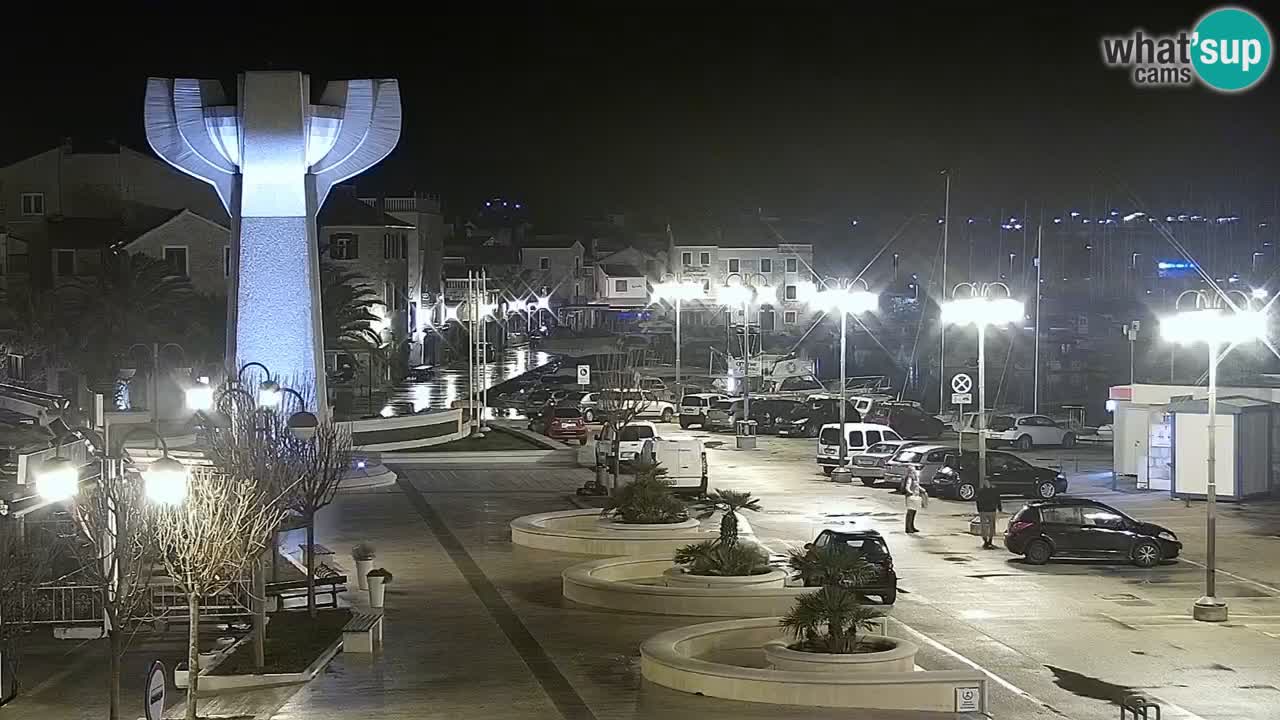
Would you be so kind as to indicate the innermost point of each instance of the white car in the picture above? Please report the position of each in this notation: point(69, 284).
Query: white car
point(1025, 431)
point(631, 441)
point(860, 437)
point(651, 406)
point(694, 407)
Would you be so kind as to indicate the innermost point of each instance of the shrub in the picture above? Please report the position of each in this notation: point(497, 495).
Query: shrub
point(829, 619)
point(646, 500)
point(728, 502)
point(382, 573)
point(720, 559)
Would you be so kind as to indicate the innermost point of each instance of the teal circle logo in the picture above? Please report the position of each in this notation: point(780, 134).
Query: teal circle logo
point(1231, 49)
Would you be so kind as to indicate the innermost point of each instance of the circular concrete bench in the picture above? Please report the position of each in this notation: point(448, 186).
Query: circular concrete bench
point(726, 660)
point(583, 532)
point(637, 584)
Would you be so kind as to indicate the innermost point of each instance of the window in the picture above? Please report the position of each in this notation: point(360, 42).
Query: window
point(686, 258)
point(344, 246)
point(176, 259)
point(766, 265)
point(1062, 515)
point(789, 317)
point(544, 263)
point(577, 264)
point(704, 259)
point(226, 261)
point(64, 263)
point(1097, 517)
point(32, 203)
point(620, 286)
point(936, 456)
point(789, 292)
point(855, 438)
point(792, 265)
point(706, 286)
point(823, 540)
point(873, 436)
point(735, 265)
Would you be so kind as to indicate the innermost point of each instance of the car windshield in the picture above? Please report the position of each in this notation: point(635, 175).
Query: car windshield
point(829, 436)
point(693, 401)
point(568, 413)
point(634, 433)
point(908, 456)
point(1002, 422)
point(882, 448)
point(869, 548)
point(724, 405)
point(799, 412)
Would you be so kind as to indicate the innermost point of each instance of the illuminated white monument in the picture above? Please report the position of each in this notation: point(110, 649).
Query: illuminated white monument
point(273, 157)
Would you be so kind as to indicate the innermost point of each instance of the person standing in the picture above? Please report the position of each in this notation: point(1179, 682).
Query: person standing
point(988, 501)
point(917, 500)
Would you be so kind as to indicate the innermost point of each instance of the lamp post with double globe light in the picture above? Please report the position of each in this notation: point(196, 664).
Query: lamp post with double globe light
point(845, 298)
point(1213, 319)
point(744, 291)
point(981, 305)
point(676, 291)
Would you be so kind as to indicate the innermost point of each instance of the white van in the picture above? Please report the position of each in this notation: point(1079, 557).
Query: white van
point(686, 464)
point(860, 437)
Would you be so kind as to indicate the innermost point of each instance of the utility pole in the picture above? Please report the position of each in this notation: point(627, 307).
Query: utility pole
point(942, 328)
point(1035, 390)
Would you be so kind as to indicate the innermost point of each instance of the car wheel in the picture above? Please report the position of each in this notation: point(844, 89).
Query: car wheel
point(966, 491)
point(684, 425)
point(1037, 552)
point(868, 481)
point(1069, 440)
point(666, 415)
point(589, 416)
point(890, 596)
point(582, 440)
point(1146, 554)
point(827, 470)
point(1023, 443)
point(1046, 490)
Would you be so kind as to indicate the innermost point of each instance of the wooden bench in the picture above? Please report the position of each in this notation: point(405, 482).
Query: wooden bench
point(328, 582)
point(362, 633)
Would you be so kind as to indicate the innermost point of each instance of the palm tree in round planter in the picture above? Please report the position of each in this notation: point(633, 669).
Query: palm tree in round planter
point(730, 503)
point(646, 500)
point(828, 626)
point(726, 556)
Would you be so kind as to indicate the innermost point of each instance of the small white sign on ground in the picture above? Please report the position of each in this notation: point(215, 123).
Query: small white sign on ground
point(968, 699)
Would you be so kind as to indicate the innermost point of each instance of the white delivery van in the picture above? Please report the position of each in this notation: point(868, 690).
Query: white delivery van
point(860, 437)
point(686, 464)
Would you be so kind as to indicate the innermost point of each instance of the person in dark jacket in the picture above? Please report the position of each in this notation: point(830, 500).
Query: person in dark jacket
point(988, 500)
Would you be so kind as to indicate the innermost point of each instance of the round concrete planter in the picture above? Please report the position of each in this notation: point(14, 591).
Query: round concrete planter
point(582, 532)
point(677, 577)
point(898, 656)
point(725, 660)
point(616, 526)
point(637, 584)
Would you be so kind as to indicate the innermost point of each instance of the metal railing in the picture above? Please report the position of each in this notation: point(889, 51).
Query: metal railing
point(82, 604)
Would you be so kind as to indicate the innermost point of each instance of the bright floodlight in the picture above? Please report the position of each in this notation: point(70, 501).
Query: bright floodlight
point(165, 481)
point(1260, 293)
point(851, 301)
point(58, 480)
point(766, 294)
point(676, 290)
point(200, 397)
point(982, 311)
point(1214, 326)
point(269, 394)
point(544, 302)
point(734, 295)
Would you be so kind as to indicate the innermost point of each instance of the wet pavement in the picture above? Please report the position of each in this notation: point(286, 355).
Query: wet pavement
point(449, 383)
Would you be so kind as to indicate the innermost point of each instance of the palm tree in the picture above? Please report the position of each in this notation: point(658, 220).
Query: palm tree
point(345, 299)
point(829, 619)
point(728, 502)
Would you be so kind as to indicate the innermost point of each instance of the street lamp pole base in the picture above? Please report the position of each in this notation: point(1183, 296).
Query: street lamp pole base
point(842, 474)
point(1210, 609)
point(746, 442)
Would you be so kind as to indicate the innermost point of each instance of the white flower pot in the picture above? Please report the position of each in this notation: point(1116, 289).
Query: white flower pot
point(362, 569)
point(377, 590)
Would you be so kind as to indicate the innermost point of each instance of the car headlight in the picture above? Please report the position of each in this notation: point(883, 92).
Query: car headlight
point(946, 471)
point(1166, 535)
point(1061, 476)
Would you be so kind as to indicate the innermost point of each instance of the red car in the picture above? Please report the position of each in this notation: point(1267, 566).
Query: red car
point(562, 423)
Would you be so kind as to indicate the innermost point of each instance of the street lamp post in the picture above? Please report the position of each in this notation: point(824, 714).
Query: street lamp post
point(846, 299)
point(676, 290)
point(983, 304)
point(744, 290)
point(1216, 326)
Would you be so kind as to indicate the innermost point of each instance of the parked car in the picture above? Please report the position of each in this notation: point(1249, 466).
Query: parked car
point(536, 402)
point(909, 421)
point(630, 441)
point(723, 415)
point(1012, 475)
point(694, 408)
point(808, 418)
point(860, 436)
point(685, 461)
point(656, 385)
point(923, 461)
point(587, 402)
point(770, 412)
point(1025, 431)
point(871, 547)
point(561, 423)
point(1082, 528)
point(868, 465)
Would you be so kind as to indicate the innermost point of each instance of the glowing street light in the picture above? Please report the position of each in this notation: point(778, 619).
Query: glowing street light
point(1211, 323)
point(269, 394)
point(846, 299)
point(744, 290)
point(676, 291)
point(982, 306)
point(165, 481)
point(58, 480)
point(200, 397)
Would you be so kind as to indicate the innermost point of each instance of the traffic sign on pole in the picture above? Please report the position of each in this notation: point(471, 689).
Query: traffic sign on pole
point(961, 383)
point(961, 398)
point(584, 374)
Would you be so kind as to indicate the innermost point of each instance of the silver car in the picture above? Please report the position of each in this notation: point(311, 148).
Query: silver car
point(722, 415)
point(868, 465)
point(923, 460)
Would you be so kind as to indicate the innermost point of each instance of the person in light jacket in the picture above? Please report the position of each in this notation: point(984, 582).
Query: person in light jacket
point(917, 500)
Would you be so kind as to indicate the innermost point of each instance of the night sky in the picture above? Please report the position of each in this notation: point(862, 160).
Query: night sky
point(793, 107)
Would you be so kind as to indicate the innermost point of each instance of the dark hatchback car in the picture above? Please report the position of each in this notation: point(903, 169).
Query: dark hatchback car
point(769, 413)
point(808, 417)
point(958, 477)
point(1081, 528)
point(907, 421)
point(870, 546)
